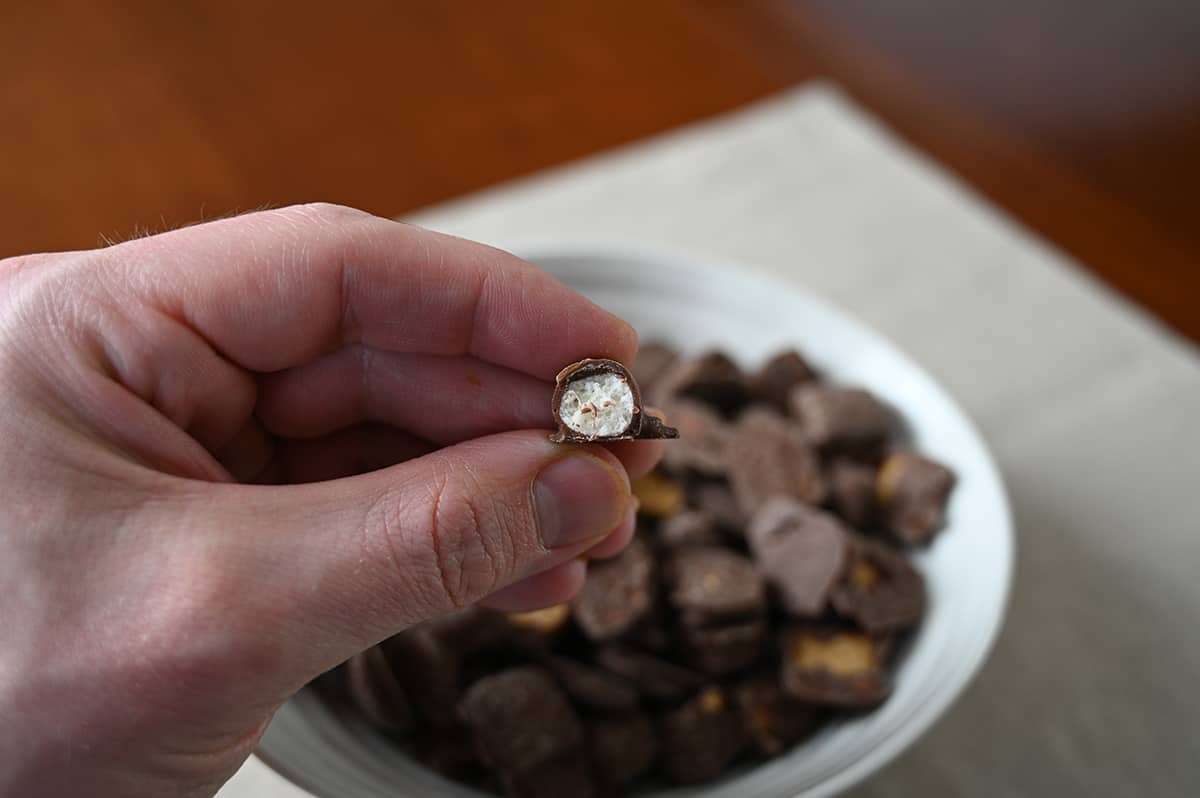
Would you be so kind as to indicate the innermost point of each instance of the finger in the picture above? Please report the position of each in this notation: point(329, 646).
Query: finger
point(275, 289)
point(442, 399)
point(546, 589)
point(325, 570)
point(346, 453)
point(638, 457)
point(615, 543)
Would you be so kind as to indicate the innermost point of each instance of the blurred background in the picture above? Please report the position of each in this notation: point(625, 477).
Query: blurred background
point(1082, 119)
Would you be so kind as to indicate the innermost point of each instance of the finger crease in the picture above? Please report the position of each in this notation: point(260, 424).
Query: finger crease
point(435, 537)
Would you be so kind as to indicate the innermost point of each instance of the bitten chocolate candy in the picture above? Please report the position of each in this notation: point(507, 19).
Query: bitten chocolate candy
point(913, 492)
point(520, 718)
point(834, 667)
point(802, 552)
point(598, 400)
point(773, 383)
point(880, 590)
point(769, 457)
point(377, 692)
point(617, 594)
point(711, 378)
point(653, 677)
point(773, 720)
point(591, 686)
point(701, 737)
point(714, 583)
point(622, 746)
point(833, 416)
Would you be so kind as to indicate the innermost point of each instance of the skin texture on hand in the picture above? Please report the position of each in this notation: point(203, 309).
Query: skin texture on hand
point(236, 454)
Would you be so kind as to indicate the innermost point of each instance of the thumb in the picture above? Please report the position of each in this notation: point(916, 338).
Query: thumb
point(337, 566)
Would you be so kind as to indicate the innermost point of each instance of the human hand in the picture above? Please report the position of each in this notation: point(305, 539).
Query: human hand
point(162, 588)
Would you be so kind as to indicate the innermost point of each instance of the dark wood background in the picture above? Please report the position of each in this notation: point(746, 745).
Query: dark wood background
point(1081, 117)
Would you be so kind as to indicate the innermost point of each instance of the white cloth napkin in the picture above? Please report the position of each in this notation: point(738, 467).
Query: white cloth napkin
point(1092, 410)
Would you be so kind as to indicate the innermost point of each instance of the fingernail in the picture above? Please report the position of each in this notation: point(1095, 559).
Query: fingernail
point(578, 498)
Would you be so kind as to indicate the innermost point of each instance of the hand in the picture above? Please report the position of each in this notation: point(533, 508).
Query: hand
point(162, 589)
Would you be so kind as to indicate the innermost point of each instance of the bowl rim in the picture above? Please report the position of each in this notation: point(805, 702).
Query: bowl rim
point(557, 247)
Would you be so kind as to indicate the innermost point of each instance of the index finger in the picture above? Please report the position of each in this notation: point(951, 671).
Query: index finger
point(274, 289)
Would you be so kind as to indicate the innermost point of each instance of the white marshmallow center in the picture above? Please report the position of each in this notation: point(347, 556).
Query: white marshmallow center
point(599, 406)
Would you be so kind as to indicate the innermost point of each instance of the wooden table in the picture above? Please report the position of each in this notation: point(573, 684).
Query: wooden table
point(1082, 119)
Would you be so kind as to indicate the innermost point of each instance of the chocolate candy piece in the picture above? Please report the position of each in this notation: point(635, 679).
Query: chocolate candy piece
point(714, 583)
point(690, 528)
point(717, 498)
point(701, 737)
point(658, 495)
point(451, 753)
point(377, 692)
point(617, 594)
point(718, 650)
point(852, 489)
point(568, 774)
point(774, 382)
point(591, 686)
point(833, 416)
point(801, 551)
point(703, 439)
point(598, 399)
point(652, 362)
point(654, 677)
point(773, 720)
point(429, 670)
point(769, 457)
point(913, 491)
point(623, 746)
point(520, 718)
point(711, 378)
point(834, 667)
point(880, 590)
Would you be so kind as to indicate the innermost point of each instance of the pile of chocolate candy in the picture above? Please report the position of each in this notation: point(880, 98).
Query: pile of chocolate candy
point(766, 589)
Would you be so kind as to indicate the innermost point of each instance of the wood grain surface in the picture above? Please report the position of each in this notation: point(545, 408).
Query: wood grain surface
point(1081, 119)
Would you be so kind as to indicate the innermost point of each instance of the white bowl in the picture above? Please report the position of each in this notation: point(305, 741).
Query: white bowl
point(694, 303)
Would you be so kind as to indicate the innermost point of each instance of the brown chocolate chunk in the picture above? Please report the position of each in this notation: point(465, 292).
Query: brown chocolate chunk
point(774, 382)
point(769, 456)
point(801, 551)
point(520, 718)
point(592, 686)
point(429, 669)
point(718, 650)
point(773, 720)
point(880, 590)
point(711, 378)
point(833, 416)
point(834, 667)
point(654, 677)
point(701, 737)
point(690, 528)
point(623, 746)
point(377, 692)
point(640, 424)
point(652, 362)
point(913, 492)
point(658, 495)
point(568, 774)
point(617, 594)
point(703, 439)
point(451, 753)
point(718, 499)
point(852, 489)
point(714, 583)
